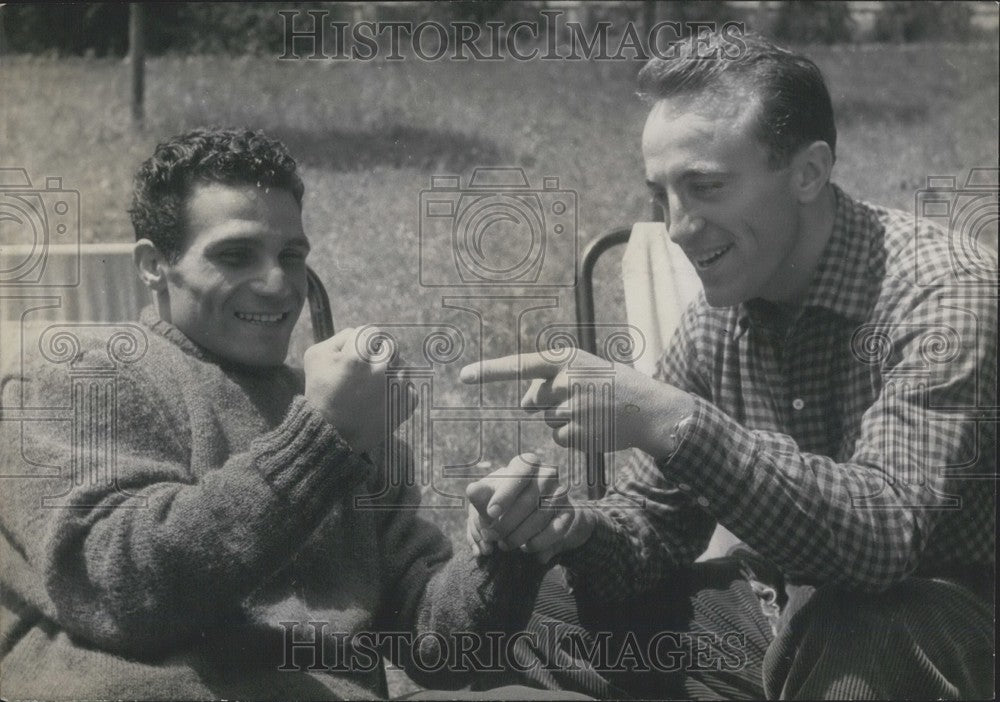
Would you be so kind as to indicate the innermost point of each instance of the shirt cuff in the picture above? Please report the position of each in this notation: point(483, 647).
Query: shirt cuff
point(596, 552)
point(713, 456)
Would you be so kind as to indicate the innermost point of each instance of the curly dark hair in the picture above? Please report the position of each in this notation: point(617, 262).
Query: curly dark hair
point(795, 106)
point(213, 155)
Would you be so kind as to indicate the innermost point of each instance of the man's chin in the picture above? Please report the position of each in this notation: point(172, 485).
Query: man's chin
point(721, 298)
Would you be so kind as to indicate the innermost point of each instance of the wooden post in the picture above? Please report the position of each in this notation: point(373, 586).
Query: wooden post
point(137, 60)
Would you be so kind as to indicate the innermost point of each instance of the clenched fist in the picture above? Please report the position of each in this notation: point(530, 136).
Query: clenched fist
point(347, 379)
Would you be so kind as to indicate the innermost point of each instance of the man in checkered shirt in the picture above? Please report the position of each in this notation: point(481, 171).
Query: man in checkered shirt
point(830, 398)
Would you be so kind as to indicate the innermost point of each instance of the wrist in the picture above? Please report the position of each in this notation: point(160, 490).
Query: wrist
point(596, 541)
point(666, 437)
point(336, 423)
point(583, 527)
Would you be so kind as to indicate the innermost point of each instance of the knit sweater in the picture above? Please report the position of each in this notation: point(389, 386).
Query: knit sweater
point(229, 524)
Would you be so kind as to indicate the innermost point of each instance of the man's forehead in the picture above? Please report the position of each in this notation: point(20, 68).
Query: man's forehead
point(236, 198)
point(706, 127)
point(217, 212)
point(704, 112)
point(249, 233)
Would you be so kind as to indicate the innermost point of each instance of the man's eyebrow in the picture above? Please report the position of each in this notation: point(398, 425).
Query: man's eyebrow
point(297, 242)
point(691, 173)
point(706, 173)
point(233, 241)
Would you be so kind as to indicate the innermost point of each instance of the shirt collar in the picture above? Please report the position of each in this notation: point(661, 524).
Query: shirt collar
point(841, 283)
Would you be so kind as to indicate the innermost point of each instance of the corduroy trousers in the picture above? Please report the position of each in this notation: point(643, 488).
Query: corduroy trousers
point(705, 636)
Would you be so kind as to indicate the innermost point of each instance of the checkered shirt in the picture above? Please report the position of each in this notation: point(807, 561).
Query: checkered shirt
point(853, 443)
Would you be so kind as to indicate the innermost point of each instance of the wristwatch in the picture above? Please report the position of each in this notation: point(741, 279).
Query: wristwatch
point(676, 435)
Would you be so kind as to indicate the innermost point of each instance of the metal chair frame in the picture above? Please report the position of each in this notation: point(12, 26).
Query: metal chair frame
point(596, 477)
point(319, 307)
point(587, 338)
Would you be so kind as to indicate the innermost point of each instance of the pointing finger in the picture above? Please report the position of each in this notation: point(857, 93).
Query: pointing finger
point(516, 367)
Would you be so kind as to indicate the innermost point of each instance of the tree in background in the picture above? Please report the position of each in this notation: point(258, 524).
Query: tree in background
point(920, 21)
point(813, 22)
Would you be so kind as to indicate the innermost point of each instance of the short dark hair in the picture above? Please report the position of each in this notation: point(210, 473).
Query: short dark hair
point(795, 107)
point(212, 155)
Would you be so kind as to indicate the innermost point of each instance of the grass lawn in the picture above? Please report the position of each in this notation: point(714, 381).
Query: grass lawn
point(370, 135)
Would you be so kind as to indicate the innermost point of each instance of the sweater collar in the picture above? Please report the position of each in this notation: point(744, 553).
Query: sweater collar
point(150, 318)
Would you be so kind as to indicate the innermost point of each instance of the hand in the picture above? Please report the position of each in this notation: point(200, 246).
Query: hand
point(346, 379)
point(522, 507)
point(640, 413)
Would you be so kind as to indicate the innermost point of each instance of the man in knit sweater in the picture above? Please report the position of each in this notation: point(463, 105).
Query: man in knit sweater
point(224, 557)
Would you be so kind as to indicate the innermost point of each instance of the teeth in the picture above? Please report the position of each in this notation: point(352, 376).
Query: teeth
point(712, 257)
point(260, 318)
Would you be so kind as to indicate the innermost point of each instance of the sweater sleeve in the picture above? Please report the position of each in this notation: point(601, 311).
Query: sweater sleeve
point(447, 600)
point(148, 557)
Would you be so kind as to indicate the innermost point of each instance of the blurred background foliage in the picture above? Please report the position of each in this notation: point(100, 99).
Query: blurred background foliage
point(100, 29)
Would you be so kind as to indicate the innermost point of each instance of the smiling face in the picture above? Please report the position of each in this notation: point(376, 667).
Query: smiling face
point(737, 219)
point(240, 282)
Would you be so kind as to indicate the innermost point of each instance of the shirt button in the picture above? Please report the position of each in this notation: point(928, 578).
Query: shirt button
point(684, 486)
point(702, 501)
point(798, 403)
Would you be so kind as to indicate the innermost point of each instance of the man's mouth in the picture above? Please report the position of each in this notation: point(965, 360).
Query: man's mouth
point(710, 258)
point(262, 318)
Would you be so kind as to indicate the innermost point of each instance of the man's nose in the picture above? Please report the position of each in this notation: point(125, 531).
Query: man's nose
point(683, 224)
point(272, 280)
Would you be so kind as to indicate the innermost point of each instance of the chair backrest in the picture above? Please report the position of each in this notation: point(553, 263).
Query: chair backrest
point(659, 284)
point(71, 282)
point(96, 283)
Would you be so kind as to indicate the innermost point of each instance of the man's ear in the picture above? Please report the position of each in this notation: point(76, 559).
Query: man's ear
point(811, 168)
point(151, 265)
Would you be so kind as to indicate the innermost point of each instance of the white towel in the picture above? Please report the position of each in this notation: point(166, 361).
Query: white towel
point(87, 283)
point(659, 283)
